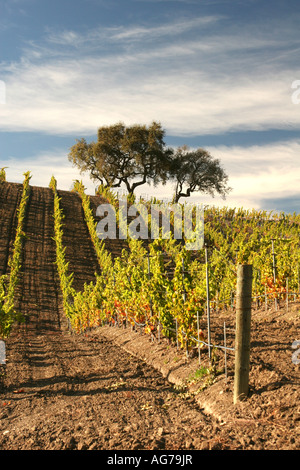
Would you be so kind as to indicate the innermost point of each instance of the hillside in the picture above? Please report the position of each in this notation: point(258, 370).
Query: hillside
point(108, 388)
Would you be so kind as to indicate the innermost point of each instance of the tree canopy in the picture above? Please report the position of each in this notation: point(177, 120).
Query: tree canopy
point(132, 155)
point(137, 154)
point(197, 171)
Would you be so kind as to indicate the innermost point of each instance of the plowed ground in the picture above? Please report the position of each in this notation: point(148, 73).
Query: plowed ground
point(101, 390)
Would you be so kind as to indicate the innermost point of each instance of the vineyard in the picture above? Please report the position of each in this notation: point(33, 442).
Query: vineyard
point(137, 286)
point(58, 276)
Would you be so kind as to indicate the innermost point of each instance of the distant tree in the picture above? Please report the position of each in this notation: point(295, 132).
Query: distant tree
point(197, 171)
point(132, 155)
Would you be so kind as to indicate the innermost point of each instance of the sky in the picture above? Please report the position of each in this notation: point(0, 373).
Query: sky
point(217, 74)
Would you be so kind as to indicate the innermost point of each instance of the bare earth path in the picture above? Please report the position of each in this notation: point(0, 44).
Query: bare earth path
point(10, 196)
point(85, 393)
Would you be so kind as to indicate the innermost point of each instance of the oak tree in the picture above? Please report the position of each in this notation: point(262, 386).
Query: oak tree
point(197, 171)
point(132, 155)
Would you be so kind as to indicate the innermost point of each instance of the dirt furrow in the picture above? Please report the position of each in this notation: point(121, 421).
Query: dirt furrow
point(80, 252)
point(113, 246)
point(38, 290)
point(10, 196)
point(96, 397)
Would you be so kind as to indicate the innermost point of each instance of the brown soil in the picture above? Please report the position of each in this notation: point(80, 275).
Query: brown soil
point(115, 388)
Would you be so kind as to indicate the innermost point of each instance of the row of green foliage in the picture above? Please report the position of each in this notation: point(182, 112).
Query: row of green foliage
point(104, 258)
point(137, 286)
point(244, 236)
point(8, 283)
point(77, 305)
point(66, 279)
point(237, 236)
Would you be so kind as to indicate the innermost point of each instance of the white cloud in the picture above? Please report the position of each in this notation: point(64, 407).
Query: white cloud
point(281, 157)
point(43, 166)
point(260, 172)
point(71, 96)
point(121, 37)
point(171, 29)
point(205, 83)
point(256, 173)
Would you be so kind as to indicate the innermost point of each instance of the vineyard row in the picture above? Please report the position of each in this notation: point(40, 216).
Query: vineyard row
point(137, 288)
point(161, 285)
point(8, 283)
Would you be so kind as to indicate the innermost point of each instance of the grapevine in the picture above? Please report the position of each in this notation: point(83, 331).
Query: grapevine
point(139, 288)
point(8, 313)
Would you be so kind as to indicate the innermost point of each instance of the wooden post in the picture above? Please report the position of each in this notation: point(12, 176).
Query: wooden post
point(242, 335)
point(274, 271)
point(225, 346)
point(266, 298)
point(198, 332)
point(2, 352)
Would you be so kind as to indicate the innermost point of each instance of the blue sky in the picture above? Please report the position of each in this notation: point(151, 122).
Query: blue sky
point(217, 74)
